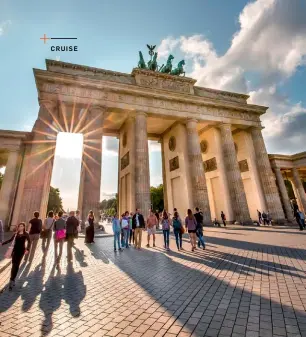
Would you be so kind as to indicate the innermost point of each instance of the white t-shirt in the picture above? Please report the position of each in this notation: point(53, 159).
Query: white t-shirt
point(48, 223)
point(137, 221)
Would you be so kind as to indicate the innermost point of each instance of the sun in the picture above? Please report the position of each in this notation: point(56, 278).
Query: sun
point(69, 145)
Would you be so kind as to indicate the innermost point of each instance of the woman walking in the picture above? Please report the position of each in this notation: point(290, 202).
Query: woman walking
point(166, 229)
point(90, 229)
point(191, 225)
point(178, 230)
point(47, 231)
point(19, 250)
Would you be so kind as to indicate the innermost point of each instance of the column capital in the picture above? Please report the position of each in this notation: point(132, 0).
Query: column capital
point(225, 126)
point(191, 122)
point(140, 113)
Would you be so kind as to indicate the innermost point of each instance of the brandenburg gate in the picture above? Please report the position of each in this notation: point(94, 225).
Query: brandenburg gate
point(213, 153)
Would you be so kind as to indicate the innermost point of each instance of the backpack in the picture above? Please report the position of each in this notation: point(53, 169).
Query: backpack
point(166, 224)
point(176, 224)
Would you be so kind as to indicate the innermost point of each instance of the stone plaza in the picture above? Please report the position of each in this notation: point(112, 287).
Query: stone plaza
point(250, 281)
point(213, 152)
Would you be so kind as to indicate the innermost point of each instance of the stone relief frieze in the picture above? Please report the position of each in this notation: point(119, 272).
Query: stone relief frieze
point(165, 84)
point(243, 165)
point(144, 101)
point(210, 165)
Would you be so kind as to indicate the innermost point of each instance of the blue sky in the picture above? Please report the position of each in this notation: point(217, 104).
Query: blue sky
point(257, 47)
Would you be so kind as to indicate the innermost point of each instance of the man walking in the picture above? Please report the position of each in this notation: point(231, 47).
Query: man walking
point(71, 231)
point(199, 228)
point(151, 227)
point(138, 226)
point(223, 217)
point(34, 229)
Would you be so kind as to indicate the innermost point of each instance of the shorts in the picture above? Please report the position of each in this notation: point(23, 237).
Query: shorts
point(152, 230)
point(192, 230)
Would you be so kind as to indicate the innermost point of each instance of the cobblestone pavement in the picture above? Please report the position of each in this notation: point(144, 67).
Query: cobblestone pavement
point(246, 283)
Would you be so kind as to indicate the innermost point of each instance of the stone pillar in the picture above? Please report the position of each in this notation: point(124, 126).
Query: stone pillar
point(39, 164)
point(90, 182)
point(284, 195)
point(236, 188)
point(196, 168)
point(9, 185)
point(266, 175)
point(164, 175)
point(301, 196)
point(142, 172)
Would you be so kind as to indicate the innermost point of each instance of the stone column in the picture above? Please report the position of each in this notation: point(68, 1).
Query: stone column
point(164, 175)
point(39, 163)
point(142, 172)
point(91, 167)
point(9, 185)
point(301, 196)
point(196, 168)
point(236, 188)
point(266, 175)
point(283, 192)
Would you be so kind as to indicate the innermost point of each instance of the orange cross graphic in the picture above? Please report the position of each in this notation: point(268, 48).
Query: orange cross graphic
point(45, 38)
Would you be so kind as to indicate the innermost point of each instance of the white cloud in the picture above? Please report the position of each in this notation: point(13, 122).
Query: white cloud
point(154, 146)
point(4, 26)
point(166, 46)
point(270, 45)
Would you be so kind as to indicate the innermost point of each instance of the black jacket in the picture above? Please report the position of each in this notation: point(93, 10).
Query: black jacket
point(72, 225)
point(140, 219)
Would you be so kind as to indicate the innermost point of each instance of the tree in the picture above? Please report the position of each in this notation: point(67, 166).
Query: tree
point(55, 202)
point(157, 197)
point(109, 206)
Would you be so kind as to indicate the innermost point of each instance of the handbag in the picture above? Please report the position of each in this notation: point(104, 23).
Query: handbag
point(60, 234)
point(9, 252)
point(182, 230)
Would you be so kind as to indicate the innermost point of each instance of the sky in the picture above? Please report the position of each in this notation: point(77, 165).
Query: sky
point(255, 47)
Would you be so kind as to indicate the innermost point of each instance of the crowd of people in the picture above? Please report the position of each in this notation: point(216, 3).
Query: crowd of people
point(129, 227)
point(63, 228)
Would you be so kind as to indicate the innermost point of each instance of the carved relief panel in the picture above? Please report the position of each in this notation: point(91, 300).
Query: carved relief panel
point(243, 165)
point(210, 165)
point(174, 163)
point(125, 161)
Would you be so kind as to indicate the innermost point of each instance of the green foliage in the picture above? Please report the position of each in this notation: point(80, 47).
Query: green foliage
point(157, 197)
point(109, 206)
point(55, 202)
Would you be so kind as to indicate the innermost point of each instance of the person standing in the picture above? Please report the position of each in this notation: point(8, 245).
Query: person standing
point(223, 218)
point(259, 217)
point(166, 229)
point(125, 226)
point(90, 229)
point(47, 231)
point(71, 229)
point(138, 226)
point(19, 250)
point(34, 229)
point(116, 231)
point(152, 223)
point(1, 231)
point(300, 218)
point(157, 217)
point(59, 230)
point(191, 225)
point(265, 218)
point(131, 235)
point(199, 228)
point(178, 230)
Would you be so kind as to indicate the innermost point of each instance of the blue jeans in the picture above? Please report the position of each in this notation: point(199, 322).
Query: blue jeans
point(117, 238)
point(200, 238)
point(126, 233)
point(178, 238)
point(166, 233)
